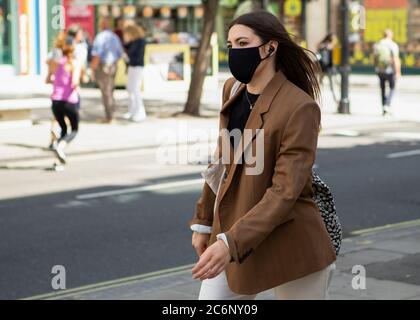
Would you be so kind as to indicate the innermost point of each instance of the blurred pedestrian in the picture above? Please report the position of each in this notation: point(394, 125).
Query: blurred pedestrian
point(53, 59)
point(55, 54)
point(81, 46)
point(107, 50)
point(119, 28)
point(325, 57)
point(388, 68)
point(80, 51)
point(260, 230)
point(134, 43)
point(65, 97)
point(2, 33)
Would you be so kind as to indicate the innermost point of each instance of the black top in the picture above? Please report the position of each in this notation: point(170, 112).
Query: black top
point(240, 112)
point(135, 52)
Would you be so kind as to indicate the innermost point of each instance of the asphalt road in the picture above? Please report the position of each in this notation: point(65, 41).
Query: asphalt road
point(104, 238)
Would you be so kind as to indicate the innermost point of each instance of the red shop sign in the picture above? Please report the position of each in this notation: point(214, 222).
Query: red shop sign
point(83, 15)
point(386, 4)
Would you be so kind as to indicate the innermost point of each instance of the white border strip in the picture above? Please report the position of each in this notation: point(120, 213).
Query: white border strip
point(166, 185)
point(403, 154)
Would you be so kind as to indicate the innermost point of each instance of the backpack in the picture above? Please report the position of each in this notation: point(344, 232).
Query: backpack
point(384, 57)
point(324, 200)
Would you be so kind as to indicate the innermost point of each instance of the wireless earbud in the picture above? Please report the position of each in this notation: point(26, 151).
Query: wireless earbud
point(270, 50)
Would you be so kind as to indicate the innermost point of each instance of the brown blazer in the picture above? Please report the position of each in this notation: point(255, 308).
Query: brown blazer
point(273, 227)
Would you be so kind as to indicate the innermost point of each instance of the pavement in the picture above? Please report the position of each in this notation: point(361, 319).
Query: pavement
point(374, 251)
point(28, 143)
point(379, 250)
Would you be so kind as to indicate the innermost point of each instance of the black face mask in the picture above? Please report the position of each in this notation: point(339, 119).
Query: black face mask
point(244, 62)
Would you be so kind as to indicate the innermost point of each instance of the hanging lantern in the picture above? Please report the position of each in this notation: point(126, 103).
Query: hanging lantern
point(165, 12)
point(103, 11)
point(182, 12)
point(148, 12)
point(198, 12)
point(129, 11)
point(116, 11)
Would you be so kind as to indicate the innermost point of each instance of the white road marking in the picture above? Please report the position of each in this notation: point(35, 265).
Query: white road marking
point(402, 135)
point(346, 133)
point(165, 185)
point(403, 154)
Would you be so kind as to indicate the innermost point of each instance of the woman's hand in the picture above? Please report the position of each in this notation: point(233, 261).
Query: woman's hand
point(200, 241)
point(212, 262)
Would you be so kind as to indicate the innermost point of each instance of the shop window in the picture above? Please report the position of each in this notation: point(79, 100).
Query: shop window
point(402, 17)
point(5, 29)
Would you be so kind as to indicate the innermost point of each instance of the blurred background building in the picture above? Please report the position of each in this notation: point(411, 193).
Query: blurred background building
point(28, 27)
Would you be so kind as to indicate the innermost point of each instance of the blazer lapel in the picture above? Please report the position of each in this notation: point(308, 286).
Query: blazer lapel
point(224, 121)
point(254, 122)
point(228, 103)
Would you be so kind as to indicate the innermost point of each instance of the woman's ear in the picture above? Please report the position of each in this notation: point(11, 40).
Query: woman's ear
point(273, 46)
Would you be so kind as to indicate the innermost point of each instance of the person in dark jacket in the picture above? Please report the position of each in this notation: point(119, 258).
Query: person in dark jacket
point(325, 56)
point(134, 44)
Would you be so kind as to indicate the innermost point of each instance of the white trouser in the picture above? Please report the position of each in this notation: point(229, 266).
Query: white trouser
point(311, 287)
point(136, 106)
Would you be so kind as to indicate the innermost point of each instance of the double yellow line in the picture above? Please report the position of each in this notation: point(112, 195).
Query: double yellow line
point(110, 284)
point(178, 270)
point(405, 224)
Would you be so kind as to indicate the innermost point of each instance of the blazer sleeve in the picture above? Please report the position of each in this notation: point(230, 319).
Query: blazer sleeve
point(292, 170)
point(205, 205)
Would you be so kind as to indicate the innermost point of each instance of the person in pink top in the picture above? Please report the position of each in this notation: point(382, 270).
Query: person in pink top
point(65, 97)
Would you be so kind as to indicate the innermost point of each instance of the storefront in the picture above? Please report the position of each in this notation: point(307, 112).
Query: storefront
point(25, 27)
point(5, 33)
point(173, 29)
point(291, 13)
point(403, 18)
point(19, 36)
point(8, 36)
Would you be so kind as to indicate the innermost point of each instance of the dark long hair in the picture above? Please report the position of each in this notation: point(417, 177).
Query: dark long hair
point(298, 64)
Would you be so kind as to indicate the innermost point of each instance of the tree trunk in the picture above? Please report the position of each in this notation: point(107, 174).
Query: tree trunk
point(192, 105)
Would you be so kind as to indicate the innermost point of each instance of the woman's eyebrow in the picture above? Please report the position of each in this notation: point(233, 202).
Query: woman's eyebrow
point(237, 39)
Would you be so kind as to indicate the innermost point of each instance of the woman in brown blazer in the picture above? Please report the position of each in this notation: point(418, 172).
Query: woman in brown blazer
point(263, 230)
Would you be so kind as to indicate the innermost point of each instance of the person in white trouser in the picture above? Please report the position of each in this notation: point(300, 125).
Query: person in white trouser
point(311, 287)
point(256, 226)
point(134, 44)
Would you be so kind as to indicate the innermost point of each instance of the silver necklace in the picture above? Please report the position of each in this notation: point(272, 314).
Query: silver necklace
point(247, 98)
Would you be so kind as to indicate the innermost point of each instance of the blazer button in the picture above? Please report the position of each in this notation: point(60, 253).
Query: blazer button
point(225, 175)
